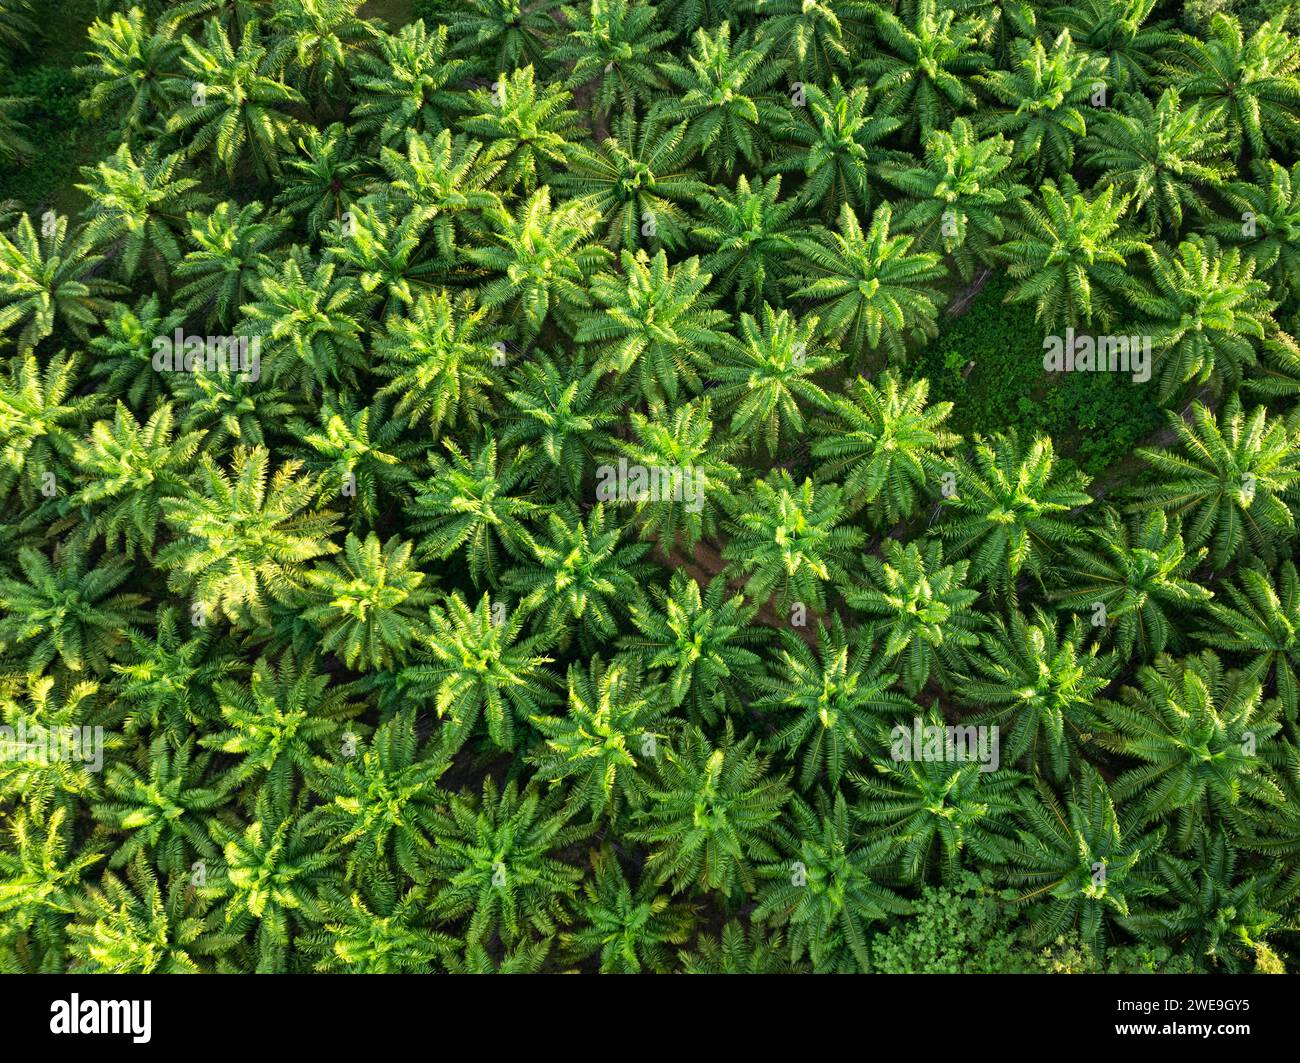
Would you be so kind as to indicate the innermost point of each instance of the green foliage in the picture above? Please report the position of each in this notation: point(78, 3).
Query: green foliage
point(701, 640)
point(511, 487)
point(1232, 482)
point(825, 894)
point(1009, 503)
point(601, 742)
point(866, 285)
point(791, 540)
point(479, 667)
point(921, 610)
point(1040, 685)
point(493, 861)
point(830, 703)
point(711, 812)
point(1198, 735)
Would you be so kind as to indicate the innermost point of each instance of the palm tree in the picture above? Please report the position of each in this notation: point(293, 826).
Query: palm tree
point(137, 210)
point(699, 479)
point(161, 811)
point(447, 177)
point(324, 179)
point(135, 71)
point(923, 67)
point(1077, 863)
point(767, 377)
point(886, 441)
point(1258, 618)
point(1251, 86)
point(687, 16)
point(49, 279)
point(352, 462)
point(123, 350)
point(1038, 685)
point(817, 39)
point(126, 471)
point(238, 105)
point(833, 142)
point(472, 501)
point(229, 408)
point(563, 415)
point(128, 926)
point(543, 260)
point(525, 957)
point(631, 930)
point(1141, 573)
point(494, 859)
point(1269, 224)
point(1119, 30)
point(1206, 311)
point(319, 41)
point(1164, 156)
point(1069, 255)
point(37, 705)
point(390, 935)
point(790, 539)
point(958, 195)
point(14, 146)
point(310, 318)
point(832, 704)
point(701, 641)
point(17, 28)
point(437, 358)
point(1003, 23)
point(710, 812)
point(1199, 736)
point(380, 807)
point(752, 234)
point(41, 420)
point(233, 15)
point(637, 181)
point(384, 247)
point(475, 666)
point(40, 874)
point(241, 537)
point(1045, 99)
point(871, 289)
point(1010, 504)
point(657, 320)
point(925, 814)
point(499, 35)
point(1233, 484)
point(613, 43)
point(601, 742)
point(581, 575)
point(368, 605)
point(526, 127)
point(827, 889)
point(270, 873)
point(228, 248)
point(66, 609)
point(1216, 907)
point(405, 89)
point(921, 609)
point(740, 949)
point(725, 98)
point(277, 720)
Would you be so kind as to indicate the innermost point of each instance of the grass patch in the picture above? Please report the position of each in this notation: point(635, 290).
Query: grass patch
point(396, 13)
point(64, 140)
point(1094, 419)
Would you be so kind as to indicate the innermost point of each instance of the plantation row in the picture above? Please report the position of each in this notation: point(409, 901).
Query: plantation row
point(476, 496)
